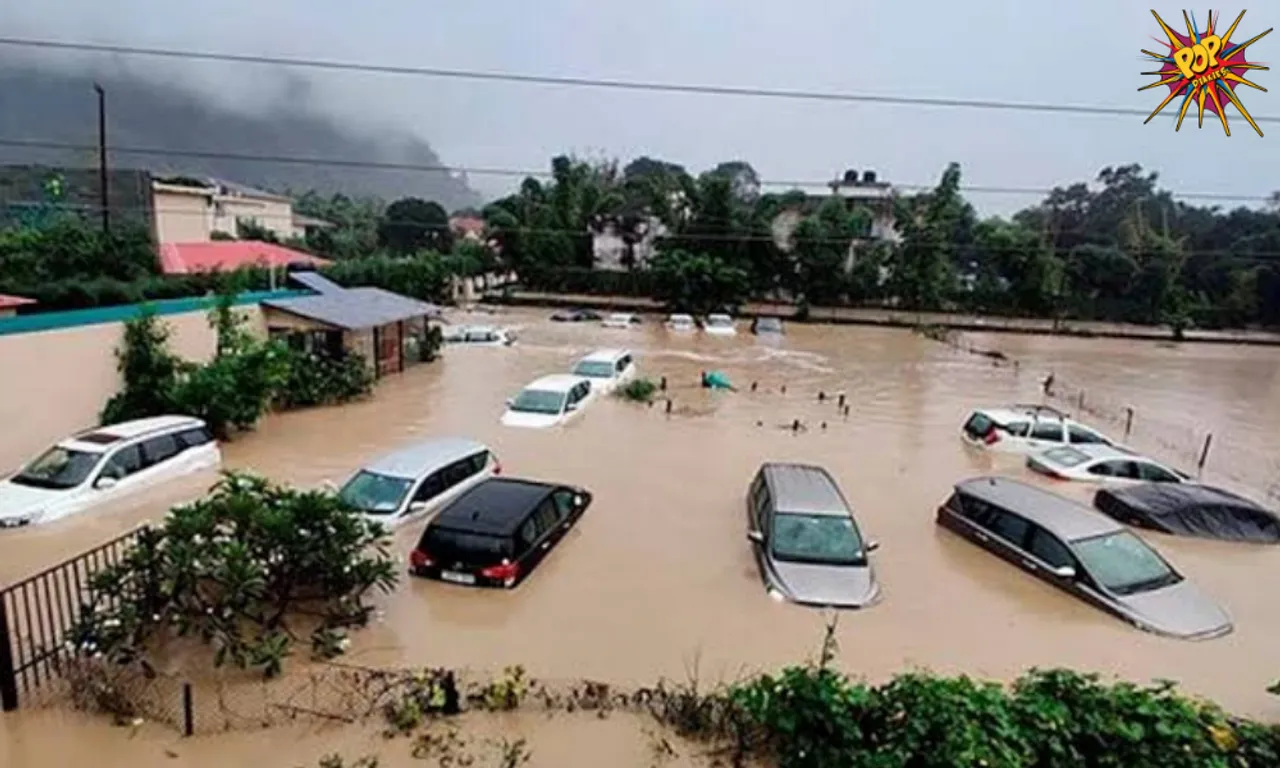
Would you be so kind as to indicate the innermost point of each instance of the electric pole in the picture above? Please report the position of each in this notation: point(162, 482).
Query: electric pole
point(102, 158)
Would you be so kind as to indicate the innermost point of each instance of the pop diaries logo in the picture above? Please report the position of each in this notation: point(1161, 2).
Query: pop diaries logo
point(1204, 68)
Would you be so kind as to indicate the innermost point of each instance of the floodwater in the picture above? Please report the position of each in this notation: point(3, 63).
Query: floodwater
point(659, 577)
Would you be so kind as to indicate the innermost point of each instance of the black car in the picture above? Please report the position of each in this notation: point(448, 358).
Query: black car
point(496, 533)
point(575, 316)
point(1187, 509)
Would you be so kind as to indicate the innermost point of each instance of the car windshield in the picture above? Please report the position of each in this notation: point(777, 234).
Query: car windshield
point(828, 539)
point(769, 324)
point(1123, 563)
point(680, 319)
point(539, 401)
point(1067, 457)
point(719, 320)
point(596, 369)
point(59, 468)
point(620, 318)
point(374, 493)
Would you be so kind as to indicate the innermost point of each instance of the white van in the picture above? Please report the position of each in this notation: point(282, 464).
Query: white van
point(608, 369)
point(418, 479)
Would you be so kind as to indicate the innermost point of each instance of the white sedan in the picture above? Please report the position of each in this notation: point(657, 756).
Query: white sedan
point(1102, 464)
point(720, 325)
point(104, 464)
point(621, 320)
point(548, 402)
point(681, 323)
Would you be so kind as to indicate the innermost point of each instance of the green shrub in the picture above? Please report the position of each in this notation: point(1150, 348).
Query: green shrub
point(638, 390)
point(318, 380)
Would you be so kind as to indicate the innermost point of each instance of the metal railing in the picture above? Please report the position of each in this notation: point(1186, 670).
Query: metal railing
point(37, 613)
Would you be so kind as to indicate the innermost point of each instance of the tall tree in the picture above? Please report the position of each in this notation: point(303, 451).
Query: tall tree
point(412, 224)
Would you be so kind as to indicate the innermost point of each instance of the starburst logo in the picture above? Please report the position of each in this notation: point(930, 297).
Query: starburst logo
point(1204, 68)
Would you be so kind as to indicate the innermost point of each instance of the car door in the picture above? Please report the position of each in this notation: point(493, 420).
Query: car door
point(1045, 554)
point(161, 456)
point(200, 450)
point(1078, 435)
point(427, 496)
point(1045, 434)
point(544, 520)
point(1116, 471)
point(122, 468)
point(1154, 473)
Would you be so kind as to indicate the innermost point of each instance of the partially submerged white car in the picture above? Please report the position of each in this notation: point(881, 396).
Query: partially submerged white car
point(720, 325)
point(1027, 429)
point(548, 402)
point(480, 336)
point(681, 323)
point(413, 482)
point(105, 464)
point(621, 320)
point(1102, 464)
point(608, 369)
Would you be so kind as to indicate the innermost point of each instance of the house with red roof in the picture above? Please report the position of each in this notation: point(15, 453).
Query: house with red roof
point(9, 304)
point(230, 255)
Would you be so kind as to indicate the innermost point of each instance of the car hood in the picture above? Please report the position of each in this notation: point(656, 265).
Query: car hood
point(1181, 609)
point(721, 331)
point(532, 420)
point(20, 500)
point(835, 585)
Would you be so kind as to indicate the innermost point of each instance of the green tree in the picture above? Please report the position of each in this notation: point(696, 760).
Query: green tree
point(412, 224)
point(697, 282)
point(923, 270)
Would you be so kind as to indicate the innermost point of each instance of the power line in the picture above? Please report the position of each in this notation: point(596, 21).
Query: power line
point(518, 173)
point(588, 82)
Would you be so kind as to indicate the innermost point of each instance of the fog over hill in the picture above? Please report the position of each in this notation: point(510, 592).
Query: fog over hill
point(51, 104)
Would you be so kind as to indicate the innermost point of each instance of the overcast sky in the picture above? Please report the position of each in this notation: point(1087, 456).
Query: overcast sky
point(1081, 52)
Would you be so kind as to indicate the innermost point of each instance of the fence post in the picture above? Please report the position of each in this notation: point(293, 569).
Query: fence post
point(1128, 421)
point(1080, 403)
point(1204, 453)
point(188, 711)
point(8, 676)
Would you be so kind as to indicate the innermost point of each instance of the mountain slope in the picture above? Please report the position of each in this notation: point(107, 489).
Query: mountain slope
point(40, 105)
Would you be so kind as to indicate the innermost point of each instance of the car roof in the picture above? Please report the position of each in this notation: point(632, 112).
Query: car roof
point(1171, 495)
point(496, 506)
point(605, 355)
point(1059, 515)
point(1008, 413)
point(680, 316)
point(101, 437)
point(622, 314)
point(718, 316)
point(556, 382)
point(422, 458)
point(1102, 451)
point(804, 488)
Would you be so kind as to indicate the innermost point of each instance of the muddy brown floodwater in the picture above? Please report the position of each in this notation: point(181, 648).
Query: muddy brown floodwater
point(659, 575)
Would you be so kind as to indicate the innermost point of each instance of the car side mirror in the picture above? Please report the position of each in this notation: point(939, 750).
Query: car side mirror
point(755, 536)
point(511, 401)
point(1065, 572)
point(417, 506)
point(872, 546)
point(105, 483)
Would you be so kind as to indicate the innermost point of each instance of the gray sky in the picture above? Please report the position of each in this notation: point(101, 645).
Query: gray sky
point(1083, 52)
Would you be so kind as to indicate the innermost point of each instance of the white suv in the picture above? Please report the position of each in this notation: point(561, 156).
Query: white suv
point(103, 464)
point(608, 369)
point(1027, 429)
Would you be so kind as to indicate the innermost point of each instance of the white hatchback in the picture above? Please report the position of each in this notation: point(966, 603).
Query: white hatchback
point(104, 464)
point(548, 401)
point(608, 369)
point(1027, 429)
point(621, 320)
point(1102, 464)
point(720, 325)
point(682, 323)
point(418, 479)
point(480, 336)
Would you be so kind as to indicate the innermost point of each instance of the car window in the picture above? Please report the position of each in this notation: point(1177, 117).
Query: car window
point(159, 449)
point(546, 517)
point(563, 499)
point(1123, 563)
point(1047, 548)
point(1156, 474)
point(192, 438)
point(478, 462)
point(1106, 469)
point(1047, 430)
point(1081, 436)
point(1018, 428)
point(762, 503)
point(1010, 527)
point(458, 471)
point(58, 469)
point(1127, 469)
point(432, 487)
point(979, 511)
point(123, 463)
point(529, 532)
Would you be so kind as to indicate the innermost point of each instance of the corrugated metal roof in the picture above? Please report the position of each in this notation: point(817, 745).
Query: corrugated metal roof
point(316, 282)
point(356, 308)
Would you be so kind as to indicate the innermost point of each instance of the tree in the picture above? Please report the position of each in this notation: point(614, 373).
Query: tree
point(697, 282)
point(412, 224)
point(743, 179)
point(929, 225)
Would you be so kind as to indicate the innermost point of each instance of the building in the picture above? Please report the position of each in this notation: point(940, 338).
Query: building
point(192, 210)
point(863, 190)
point(9, 304)
point(614, 250)
point(468, 228)
point(230, 255)
point(387, 329)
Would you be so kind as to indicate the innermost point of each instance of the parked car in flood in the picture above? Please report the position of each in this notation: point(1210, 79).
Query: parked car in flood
point(1082, 552)
point(104, 464)
point(608, 369)
point(479, 336)
point(548, 401)
point(767, 326)
point(576, 316)
point(1188, 509)
point(498, 532)
point(1026, 429)
point(720, 325)
point(806, 543)
point(681, 323)
point(621, 320)
point(416, 480)
point(1102, 464)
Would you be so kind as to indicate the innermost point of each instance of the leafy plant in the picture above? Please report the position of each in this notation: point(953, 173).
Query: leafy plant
point(148, 368)
point(239, 570)
point(638, 390)
point(320, 380)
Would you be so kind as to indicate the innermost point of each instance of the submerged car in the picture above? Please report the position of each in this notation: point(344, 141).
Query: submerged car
point(608, 369)
point(1027, 429)
point(1082, 552)
point(806, 543)
point(767, 326)
point(496, 533)
point(103, 464)
point(621, 320)
point(720, 325)
point(416, 480)
point(575, 316)
point(1187, 509)
point(480, 336)
point(681, 323)
point(548, 401)
point(1102, 464)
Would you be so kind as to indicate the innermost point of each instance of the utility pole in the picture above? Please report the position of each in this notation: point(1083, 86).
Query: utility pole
point(102, 158)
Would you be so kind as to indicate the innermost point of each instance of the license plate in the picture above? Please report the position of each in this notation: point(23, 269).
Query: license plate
point(458, 578)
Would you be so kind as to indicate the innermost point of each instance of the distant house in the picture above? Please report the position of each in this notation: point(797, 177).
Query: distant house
point(615, 250)
point(191, 210)
point(9, 304)
point(230, 255)
point(468, 228)
point(858, 191)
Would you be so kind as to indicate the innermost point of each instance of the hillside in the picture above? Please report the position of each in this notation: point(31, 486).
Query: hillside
point(56, 107)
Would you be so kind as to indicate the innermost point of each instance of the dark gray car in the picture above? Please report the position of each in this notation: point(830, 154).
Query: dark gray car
point(1082, 552)
point(806, 542)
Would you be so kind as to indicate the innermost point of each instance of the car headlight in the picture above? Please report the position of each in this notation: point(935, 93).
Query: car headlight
point(776, 595)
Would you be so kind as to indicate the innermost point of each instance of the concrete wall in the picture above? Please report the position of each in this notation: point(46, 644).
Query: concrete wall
point(53, 383)
point(275, 215)
point(182, 216)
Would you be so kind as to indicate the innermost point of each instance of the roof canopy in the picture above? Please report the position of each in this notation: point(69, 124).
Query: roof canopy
point(355, 308)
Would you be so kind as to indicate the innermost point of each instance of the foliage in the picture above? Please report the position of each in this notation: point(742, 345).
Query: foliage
point(68, 248)
point(639, 390)
point(697, 282)
point(315, 379)
point(423, 276)
point(148, 369)
point(411, 225)
point(242, 570)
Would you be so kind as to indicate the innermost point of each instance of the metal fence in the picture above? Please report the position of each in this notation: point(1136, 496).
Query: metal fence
point(37, 613)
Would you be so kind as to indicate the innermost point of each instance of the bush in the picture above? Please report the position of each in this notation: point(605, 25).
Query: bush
point(240, 570)
point(318, 380)
point(638, 390)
